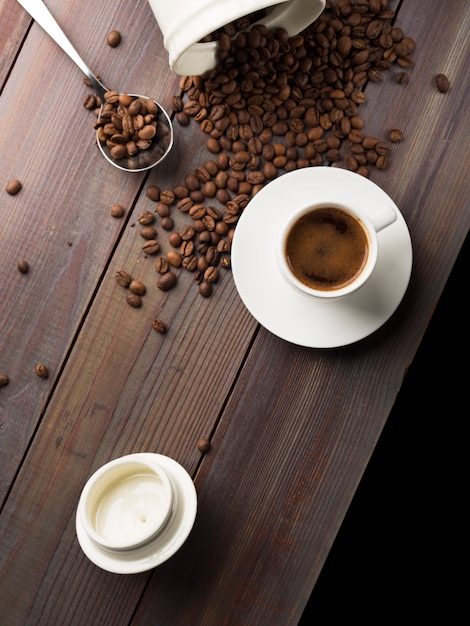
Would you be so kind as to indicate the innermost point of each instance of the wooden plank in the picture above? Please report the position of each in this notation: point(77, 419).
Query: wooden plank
point(310, 436)
point(47, 142)
point(13, 27)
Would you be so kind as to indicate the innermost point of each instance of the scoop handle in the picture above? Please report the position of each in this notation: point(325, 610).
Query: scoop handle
point(41, 14)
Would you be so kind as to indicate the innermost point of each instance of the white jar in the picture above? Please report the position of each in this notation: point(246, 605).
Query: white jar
point(184, 23)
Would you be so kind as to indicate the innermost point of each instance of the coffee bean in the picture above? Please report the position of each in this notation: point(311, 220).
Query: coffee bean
point(159, 326)
point(205, 288)
point(118, 152)
point(402, 78)
point(90, 102)
point(13, 187)
point(167, 223)
point(190, 262)
point(4, 380)
point(162, 265)
point(396, 135)
point(167, 281)
point(146, 217)
point(137, 287)
point(113, 39)
point(163, 210)
point(134, 300)
point(123, 278)
point(42, 371)
point(187, 232)
point(382, 162)
point(148, 232)
point(174, 258)
point(211, 274)
point(442, 83)
point(153, 192)
point(151, 246)
point(204, 445)
point(117, 210)
point(187, 248)
point(174, 239)
point(167, 196)
point(23, 266)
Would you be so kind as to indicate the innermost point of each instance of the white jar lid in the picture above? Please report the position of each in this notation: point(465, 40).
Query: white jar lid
point(184, 23)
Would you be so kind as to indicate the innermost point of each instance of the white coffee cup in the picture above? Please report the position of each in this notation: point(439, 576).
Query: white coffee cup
point(184, 23)
point(329, 250)
point(126, 503)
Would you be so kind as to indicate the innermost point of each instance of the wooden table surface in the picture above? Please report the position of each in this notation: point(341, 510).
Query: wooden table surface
point(291, 428)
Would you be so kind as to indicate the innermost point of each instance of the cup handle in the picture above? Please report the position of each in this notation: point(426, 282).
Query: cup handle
point(383, 217)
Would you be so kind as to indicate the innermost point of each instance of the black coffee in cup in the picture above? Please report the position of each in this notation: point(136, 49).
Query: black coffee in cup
point(327, 248)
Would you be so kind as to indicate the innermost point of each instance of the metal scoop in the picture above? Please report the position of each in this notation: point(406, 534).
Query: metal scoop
point(163, 140)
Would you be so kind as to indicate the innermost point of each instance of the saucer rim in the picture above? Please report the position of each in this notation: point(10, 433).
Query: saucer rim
point(151, 554)
point(330, 184)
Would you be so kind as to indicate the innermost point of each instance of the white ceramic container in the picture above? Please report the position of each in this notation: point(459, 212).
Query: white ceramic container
point(184, 23)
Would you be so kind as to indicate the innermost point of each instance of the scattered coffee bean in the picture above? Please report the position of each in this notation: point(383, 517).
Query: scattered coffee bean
point(153, 192)
point(396, 135)
point(117, 210)
point(90, 102)
point(174, 239)
point(137, 287)
point(134, 300)
point(114, 38)
point(13, 187)
point(174, 258)
point(151, 246)
point(162, 265)
point(167, 281)
point(402, 78)
point(159, 326)
point(23, 266)
point(4, 380)
point(442, 83)
point(42, 371)
point(148, 232)
point(145, 218)
point(167, 223)
point(123, 278)
point(205, 288)
point(203, 445)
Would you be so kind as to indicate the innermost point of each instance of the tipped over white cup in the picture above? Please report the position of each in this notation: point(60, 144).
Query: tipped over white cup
point(184, 23)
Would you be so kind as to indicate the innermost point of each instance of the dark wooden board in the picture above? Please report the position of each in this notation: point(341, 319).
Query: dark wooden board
point(292, 428)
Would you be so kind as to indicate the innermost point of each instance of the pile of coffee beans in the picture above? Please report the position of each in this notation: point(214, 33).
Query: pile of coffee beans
point(126, 124)
point(273, 104)
point(232, 28)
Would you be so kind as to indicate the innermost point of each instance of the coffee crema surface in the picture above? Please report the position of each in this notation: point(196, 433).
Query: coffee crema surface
point(327, 248)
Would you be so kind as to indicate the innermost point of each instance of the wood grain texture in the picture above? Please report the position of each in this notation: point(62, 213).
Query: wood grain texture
point(60, 221)
point(292, 429)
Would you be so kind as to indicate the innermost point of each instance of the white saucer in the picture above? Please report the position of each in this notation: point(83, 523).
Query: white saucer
point(164, 545)
point(278, 305)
